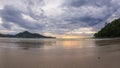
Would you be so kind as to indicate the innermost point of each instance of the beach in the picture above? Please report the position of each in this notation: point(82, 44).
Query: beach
point(59, 53)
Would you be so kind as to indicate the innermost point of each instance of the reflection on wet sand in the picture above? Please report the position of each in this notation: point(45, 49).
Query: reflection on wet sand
point(28, 45)
point(70, 44)
point(59, 53)
point(75, 43)
point(104, 42)
point(107, 45)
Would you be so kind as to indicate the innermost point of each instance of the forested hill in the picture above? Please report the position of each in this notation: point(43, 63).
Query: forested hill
point(25, 34)
point(111, 30)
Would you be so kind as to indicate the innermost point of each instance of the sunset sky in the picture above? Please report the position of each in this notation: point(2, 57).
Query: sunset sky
point(60, 18)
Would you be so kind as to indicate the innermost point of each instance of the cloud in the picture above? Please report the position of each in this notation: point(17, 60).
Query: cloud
point(91, 12)
point(99, 3)
point(65, 16)
point(12, 15)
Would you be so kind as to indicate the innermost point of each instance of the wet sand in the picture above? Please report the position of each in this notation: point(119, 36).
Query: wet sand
point(60, 53)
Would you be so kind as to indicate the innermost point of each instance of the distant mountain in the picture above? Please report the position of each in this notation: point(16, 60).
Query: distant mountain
point(110, 30)
point(25, 34)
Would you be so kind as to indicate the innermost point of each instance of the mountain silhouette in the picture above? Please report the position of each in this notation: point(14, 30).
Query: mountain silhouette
point(25, 34)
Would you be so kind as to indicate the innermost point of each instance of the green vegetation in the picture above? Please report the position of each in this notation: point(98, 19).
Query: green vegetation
point(111, 30)
point(25, 34)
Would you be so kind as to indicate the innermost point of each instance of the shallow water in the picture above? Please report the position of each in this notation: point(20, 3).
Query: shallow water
point(59, 53)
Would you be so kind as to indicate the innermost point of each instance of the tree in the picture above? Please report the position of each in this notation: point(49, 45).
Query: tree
point(110, 30)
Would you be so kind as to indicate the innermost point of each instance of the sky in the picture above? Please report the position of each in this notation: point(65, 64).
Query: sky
point(59, 18)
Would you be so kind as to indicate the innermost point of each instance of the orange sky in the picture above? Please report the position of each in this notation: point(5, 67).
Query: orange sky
point(70, 36)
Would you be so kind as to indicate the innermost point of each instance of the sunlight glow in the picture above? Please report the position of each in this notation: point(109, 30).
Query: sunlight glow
point(72, 37)
point(68, 44)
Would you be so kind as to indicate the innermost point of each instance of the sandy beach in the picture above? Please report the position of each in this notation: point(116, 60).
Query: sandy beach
point(60, 53)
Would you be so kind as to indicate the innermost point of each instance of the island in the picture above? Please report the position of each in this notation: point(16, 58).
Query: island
point(25, 34)
point(111, 30)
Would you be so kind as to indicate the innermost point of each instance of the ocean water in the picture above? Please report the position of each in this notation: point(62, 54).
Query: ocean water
point(59, 53)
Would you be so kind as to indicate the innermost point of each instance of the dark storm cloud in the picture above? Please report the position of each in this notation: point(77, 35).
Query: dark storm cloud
point(106, 8)
point(78, 3)
point(88, 20)
point(11, 14)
